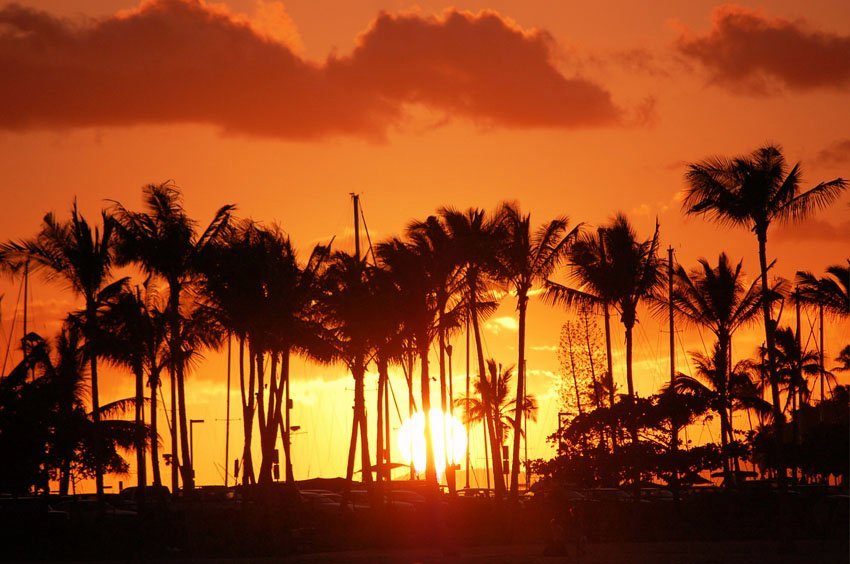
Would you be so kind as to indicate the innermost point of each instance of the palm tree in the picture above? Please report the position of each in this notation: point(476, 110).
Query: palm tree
point(350, 310)
point(163, 241)
point(832, 291)
point(477, 242)
point(82, 257)
point(409, 271)
point(754, 191)
point(619, 270)
point(723, 388)
point(494, 405)
point(254, 287)
point(134, 331)
point(528, 259)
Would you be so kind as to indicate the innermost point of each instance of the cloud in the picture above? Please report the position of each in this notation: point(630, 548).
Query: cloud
point(748, 52)
point(544, 348)
point(186, 61)
point(837, 153)
point(499, 324)
point(815, 230)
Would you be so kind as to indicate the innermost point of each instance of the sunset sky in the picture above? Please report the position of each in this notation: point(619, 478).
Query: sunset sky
point(284, 108)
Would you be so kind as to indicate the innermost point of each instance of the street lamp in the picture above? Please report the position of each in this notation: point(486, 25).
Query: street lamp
point(192, 444)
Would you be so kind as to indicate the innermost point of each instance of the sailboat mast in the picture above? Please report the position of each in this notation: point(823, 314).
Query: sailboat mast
point(227, 416)
point(675, 430)
point(356, 200)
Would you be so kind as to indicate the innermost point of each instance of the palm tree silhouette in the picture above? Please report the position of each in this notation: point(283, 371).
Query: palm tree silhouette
point(617, 269)
point(350, 310)
point(754, 191)
point(495, 406)
point(477, 241)
point(717, 298)
point(831, 291)
point(82, 257)
point(163, 241)
point(723, 388)
point(408, 268)
point(528, 259)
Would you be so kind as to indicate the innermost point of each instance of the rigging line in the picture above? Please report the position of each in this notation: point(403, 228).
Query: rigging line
point(165, 410)
point(685, 354)
point(392, 391)
point(368, 237)
point(12, 329)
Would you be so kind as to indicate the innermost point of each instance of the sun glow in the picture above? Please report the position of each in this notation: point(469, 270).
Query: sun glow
point(448, 436)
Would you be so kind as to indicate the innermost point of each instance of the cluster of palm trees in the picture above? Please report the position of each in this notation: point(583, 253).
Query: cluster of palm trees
point(241, 280)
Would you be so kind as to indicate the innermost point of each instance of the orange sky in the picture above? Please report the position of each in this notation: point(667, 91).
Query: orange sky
point(285, 108)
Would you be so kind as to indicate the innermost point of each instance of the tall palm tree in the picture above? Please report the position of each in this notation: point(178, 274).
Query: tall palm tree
point(618, 269)
point(754, 191)
point(82, 257)
point(163, 241)
point(134, 331)
point(528, 259)
point(476, 240)
point(408, 268)
point(351, 313)
point(832, 291)
point(253, 285)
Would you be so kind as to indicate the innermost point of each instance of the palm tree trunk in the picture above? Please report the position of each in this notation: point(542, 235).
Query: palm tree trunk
point(247, 413)
point(154, 435)
point(610, 366)
point(141, 466)
point(522, 306)
point(495, 455)
point(286, 433)
point(91, 313)
point(379, 446)
point(630, 379)
point(770, 343)
point(188, 469)
point(360, 414)
point(425, 383)
point(175, 456)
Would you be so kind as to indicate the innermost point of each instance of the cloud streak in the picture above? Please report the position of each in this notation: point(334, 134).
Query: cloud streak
point(183, 61)
point(749, 52)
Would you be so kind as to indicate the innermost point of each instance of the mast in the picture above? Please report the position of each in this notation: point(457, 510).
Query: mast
point(227, 416)
point(675, 439)
point(468, 443)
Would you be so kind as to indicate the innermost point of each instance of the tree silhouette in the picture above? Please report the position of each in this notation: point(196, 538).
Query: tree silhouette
point(82, 257)
point(526, 259)
point(163, 241)
point(755, 191)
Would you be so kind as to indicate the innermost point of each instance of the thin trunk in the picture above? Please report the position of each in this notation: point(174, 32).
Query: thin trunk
point(630, 380)
point(154, 436)
point(722, 364)
point(770, 343)
point(498, 476)
point(141, 465)
point(286, 380)
point(227, 416)
point(522, 305)
point(247, 413)
point(610, 366)
point(379, 442)
point(468, 436)
point(425, 382)
point(91, 313)
point(175, 455)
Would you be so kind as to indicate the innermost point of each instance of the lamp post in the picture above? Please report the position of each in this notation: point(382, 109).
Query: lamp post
point(192, 444)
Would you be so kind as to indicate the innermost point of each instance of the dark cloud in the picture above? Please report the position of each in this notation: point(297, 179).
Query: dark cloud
point(815, 230)
point(836, 154)
point(749, 52)
point(181, 61)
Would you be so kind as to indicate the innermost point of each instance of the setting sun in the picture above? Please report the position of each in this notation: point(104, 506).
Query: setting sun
point(448, 435)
